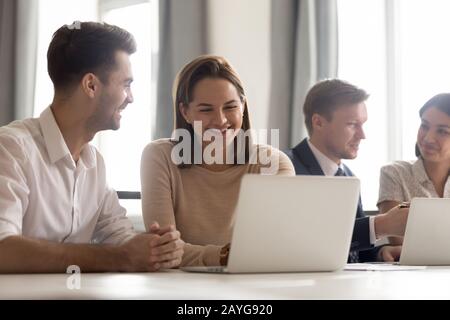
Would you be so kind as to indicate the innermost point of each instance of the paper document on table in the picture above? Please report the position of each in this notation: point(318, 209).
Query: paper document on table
point(380, 267)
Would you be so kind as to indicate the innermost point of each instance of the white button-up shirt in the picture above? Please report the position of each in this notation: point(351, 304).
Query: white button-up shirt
point(45, 195)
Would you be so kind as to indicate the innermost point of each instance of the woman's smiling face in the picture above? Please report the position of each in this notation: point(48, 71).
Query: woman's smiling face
point(217, 105)
point(433, 138)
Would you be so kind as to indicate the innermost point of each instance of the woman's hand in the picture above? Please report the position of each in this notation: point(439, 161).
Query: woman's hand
point(224, 254)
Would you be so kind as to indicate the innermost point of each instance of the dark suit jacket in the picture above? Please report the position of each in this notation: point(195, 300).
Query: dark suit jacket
point(305, 163)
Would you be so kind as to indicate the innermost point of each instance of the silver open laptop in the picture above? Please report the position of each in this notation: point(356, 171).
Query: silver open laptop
point(427, 235)
point(291, 224)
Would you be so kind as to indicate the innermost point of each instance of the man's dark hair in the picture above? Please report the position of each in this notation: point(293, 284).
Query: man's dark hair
point(85, 47)
point(328, 95)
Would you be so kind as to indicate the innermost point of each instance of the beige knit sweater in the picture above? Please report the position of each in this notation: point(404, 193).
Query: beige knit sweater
point(198, 201)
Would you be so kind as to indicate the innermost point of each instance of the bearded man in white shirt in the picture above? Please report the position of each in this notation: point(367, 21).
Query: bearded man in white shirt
point(56, 209)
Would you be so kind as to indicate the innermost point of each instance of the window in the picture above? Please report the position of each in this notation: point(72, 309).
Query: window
point(362, 61)
point(121, 149)
point(424, 52)
point(52, 15)
point(396, 50)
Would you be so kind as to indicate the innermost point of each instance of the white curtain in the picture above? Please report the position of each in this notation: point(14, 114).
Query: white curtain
point(26, 58)
point(8, 9)
point(18, 43)
point(303, 51)
point(182, 35)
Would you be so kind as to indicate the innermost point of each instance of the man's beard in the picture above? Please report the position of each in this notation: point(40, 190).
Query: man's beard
point(102, 119)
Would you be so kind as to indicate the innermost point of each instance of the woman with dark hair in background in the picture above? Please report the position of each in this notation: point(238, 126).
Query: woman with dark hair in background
point(428, 175)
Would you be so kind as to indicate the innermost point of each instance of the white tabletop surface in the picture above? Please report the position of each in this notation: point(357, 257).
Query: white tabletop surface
point(432, 283)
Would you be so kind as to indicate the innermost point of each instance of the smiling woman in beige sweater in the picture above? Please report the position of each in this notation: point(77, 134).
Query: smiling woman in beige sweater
point(198, 193)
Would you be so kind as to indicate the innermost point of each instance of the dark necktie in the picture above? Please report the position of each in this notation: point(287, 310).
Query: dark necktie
point(339, 172)
point(353, 256)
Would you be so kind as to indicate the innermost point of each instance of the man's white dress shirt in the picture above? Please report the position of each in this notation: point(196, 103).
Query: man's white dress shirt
point(45, 195)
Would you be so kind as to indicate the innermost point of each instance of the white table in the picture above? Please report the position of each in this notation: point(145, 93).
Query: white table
point(432, 283)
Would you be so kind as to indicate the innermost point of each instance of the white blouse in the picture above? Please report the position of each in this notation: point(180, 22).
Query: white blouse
point(404, 180)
